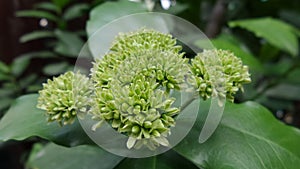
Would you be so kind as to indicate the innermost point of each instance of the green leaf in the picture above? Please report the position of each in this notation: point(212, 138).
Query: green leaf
point(39, 54)
point(109, 11)
point(248, 136)
point(55, 68)
point(75, 11)
point(19, 65)
point(85, 156)
point(4, 68)
point(168, 160)
point(24, 120)
point(27, 80)
point(61, 3)
point(69, 43)
point(5, 103)
point(37, 14)
point(293, 77)
point(36, 35)
point(285, 91)
point(276, 32)
point(47, 6)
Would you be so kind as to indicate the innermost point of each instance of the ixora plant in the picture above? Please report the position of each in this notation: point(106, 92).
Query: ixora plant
point(132, 89)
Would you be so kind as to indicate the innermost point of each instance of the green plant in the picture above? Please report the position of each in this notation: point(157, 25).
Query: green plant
point(58, 36)
point(247, 137)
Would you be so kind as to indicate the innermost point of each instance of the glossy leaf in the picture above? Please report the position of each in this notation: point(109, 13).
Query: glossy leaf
point(102, 14)
point(24, 120)
point(75, 11)
point(276, 32)
point(168, 160)
point(53, 156)
point(69, 43)
point(37, 14)
point(247, 137)
point(36, 35)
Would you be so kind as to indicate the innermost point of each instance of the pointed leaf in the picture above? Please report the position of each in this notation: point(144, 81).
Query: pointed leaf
point(37, 14)
point(247, 137)
point(36, 35)
point(276, 32)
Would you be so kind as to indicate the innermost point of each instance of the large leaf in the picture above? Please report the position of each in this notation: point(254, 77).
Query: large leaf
point(276, 32)
point(36, 35)
point(37, 14)
point(24, 120)
point(247, 137)
point(110, 11)
point(168, 160)
point(85, 156)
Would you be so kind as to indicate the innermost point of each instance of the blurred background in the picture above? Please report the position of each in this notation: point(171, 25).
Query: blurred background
point(41, 39)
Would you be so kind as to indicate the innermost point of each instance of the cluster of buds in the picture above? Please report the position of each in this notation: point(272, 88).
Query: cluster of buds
point(232, 72)
point(63, 96)
point(132, 86)
point(140, 71)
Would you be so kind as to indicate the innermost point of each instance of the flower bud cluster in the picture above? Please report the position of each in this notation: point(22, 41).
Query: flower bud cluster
point(133, 83)
point(231, 69)
point(143, 68)
point(63, 96)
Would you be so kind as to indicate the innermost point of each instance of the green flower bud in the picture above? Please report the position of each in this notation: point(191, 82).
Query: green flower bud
point(63, 96)
point(137, 75)
point(233, 72)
